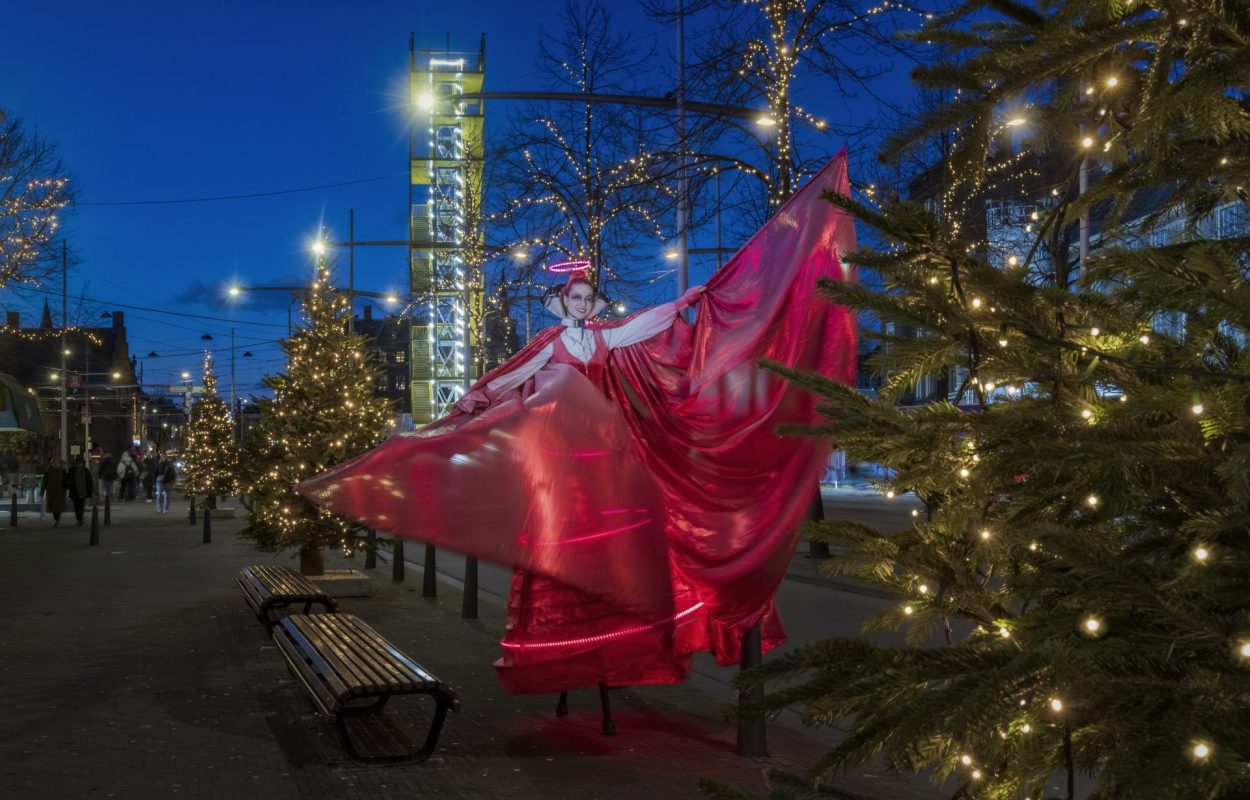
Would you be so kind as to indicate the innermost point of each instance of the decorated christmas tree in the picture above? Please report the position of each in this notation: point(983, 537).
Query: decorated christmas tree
point(1074, 591)
point(325, 409)
point(212, 454)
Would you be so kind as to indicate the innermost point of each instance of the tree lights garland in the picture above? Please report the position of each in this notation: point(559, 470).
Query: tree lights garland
point(325, 410)
point(30, 200)
point(212, 455)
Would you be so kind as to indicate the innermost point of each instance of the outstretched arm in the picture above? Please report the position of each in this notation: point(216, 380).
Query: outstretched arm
point(479, 398)
point(650, 322)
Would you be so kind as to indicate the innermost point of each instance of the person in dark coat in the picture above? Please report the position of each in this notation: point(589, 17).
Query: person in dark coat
point(79, 482)
point(54, 480)
point(108, 471)
point(148, 476)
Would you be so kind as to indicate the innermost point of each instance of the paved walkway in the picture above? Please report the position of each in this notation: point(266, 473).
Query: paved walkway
point(134, 669)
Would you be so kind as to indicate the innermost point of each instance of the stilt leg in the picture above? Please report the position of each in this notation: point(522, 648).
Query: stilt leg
point(562, 707)
point(609, 727)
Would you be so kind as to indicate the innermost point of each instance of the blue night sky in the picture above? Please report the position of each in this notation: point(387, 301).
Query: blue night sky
point(169, 101)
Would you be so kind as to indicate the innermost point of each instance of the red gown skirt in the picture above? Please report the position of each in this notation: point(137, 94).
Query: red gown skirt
point(648, 488)
point(559, 637)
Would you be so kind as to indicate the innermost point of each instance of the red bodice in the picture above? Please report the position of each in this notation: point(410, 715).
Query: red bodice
point(596, 369)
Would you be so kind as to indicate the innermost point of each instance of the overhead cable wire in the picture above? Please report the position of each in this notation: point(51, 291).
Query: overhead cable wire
point(51, 292)
point(248, 196)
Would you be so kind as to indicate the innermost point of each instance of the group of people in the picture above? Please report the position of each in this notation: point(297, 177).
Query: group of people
point(154, 474)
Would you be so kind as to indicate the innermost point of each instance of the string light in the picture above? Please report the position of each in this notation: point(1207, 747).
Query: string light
point(1201, 750)
point(1201, 554)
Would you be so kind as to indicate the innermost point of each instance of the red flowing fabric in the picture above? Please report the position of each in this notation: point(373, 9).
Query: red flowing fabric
point(648, 504)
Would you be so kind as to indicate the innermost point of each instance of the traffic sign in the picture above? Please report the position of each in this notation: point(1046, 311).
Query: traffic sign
point(74, 381)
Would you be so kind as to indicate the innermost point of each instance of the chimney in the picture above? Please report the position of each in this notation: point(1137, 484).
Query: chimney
point(119, 320)
point(368, 313)
point(14, 320)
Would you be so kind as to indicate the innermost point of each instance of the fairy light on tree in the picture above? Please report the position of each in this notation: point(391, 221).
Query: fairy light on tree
point(325, 409)
point(212, 454)
point(33, 192)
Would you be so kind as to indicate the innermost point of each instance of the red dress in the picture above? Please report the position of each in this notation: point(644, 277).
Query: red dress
point(559, 637)
point(645, 496)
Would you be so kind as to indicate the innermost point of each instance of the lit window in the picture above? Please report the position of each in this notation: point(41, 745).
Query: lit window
point(400, 356)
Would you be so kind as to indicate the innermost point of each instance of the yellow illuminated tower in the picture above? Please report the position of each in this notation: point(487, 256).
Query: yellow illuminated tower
point(445, 147)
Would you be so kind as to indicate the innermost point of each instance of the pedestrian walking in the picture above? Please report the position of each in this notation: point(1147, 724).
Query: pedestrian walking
point(108, 471)
point(128, 474)
point(54, 489)
point(166, 474)
point(147, 476)
point(79, 482)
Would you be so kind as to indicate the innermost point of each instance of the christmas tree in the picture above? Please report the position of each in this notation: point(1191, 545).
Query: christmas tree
point(325, 409)
point(211, 453)
point(1074, 591)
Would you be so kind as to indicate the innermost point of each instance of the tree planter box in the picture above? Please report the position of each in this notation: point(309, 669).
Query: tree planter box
point(343, 583)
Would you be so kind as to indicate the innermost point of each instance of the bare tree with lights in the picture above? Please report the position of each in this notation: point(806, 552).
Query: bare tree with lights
point(325, 409)
point(1074, 591)
point(578, 179)
point(34, 190)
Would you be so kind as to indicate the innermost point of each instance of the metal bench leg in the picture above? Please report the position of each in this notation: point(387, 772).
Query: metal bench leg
point(609, 727)
point(562, 705)
point(431, 738)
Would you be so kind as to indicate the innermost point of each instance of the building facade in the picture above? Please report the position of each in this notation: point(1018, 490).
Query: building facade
point(102, 394)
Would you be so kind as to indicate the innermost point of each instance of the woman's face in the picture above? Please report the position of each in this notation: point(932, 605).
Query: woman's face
point(580, 301)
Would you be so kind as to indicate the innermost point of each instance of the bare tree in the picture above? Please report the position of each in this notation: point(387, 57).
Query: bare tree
point(761, 54)
point(580, 179)
point(34, 188)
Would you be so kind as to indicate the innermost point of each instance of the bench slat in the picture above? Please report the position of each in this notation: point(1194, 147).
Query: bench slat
point(317, 673)
point(399, 664)
point(359, 678)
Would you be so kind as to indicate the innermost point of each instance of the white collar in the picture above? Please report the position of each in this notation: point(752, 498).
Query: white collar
point(569, 322)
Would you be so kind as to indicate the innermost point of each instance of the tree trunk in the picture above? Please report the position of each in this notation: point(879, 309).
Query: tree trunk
point(312, 561)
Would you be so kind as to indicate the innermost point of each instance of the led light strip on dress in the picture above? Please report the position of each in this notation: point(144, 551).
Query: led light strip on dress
point(603, 637)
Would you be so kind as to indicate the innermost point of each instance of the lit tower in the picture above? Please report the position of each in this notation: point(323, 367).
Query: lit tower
point(445, 146)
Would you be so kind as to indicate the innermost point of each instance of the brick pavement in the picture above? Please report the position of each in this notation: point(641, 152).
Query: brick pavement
point(134, 669)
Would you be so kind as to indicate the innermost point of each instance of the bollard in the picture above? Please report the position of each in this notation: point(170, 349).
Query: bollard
point(468, 604)
point(752, 738)
point(95, 524)
point(371, 554)
point(108, 508)
point(397, 560)
point(429, 582)
point(817, 549)
point(191, 512)
point(208, 525)
point(13, 510)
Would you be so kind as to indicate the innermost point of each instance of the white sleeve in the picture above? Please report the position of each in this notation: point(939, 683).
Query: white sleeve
point(642, 327)
point(522, 373)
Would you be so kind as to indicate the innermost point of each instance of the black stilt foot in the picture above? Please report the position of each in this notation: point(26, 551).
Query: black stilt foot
point(609, 727)
point(562, 705)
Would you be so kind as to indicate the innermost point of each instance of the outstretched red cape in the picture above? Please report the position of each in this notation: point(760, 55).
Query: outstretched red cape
point(673, 485)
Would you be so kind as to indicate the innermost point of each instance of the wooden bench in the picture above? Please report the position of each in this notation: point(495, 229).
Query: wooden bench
point(269, 588)
point(349, 669)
